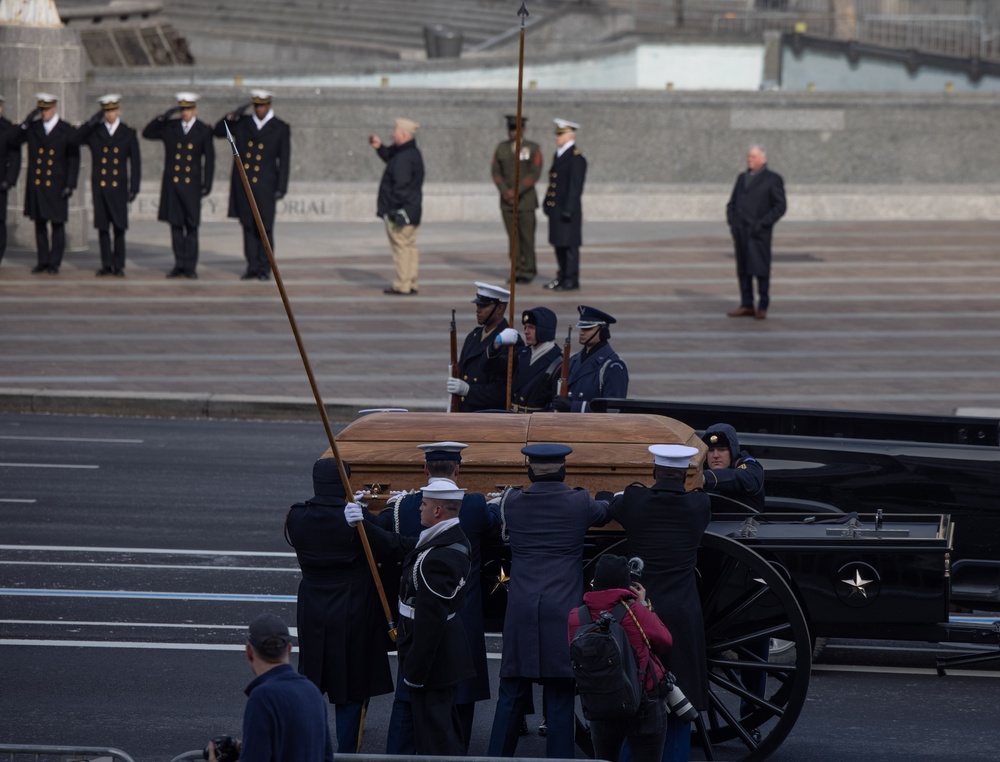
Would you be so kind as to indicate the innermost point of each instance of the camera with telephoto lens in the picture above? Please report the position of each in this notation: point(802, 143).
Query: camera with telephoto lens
point(677, 702)
point(226, 749)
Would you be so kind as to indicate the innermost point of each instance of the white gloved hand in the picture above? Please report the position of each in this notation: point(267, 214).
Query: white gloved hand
point(457, 386)
point(507, 336)
point(354, 514)
point(362, 498)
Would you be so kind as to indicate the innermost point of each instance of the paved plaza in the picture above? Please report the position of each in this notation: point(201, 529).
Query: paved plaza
point(878, 316)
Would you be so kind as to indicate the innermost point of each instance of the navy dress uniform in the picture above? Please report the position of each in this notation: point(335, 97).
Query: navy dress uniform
point(114, 178)
point(342, 630)
point(596, 370)
point(480, 524)
point(188, 171)
point(265, 147)
point(663, 526)
point(52, 169)
point(536, 367)
point(10, 168)
point(527, 165)
point(546, 525)
point(564, 206)
point(479, 384)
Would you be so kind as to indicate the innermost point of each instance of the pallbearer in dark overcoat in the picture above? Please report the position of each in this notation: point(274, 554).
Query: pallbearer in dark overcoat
point(10, 167)
point(116, 170)
point(480, 385)
point(537, 362)
point(188, 171)
point(663, 525)
point(52, 170)
point(265, 147)
point(564, 206)
point(342, 630)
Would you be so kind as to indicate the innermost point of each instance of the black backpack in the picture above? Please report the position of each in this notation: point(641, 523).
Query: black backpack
point(605, 666)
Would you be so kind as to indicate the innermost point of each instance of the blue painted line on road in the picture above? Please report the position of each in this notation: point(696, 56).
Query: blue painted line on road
point(25, 592)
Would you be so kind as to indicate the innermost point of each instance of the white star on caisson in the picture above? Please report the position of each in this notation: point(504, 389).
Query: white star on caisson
point(857, 584)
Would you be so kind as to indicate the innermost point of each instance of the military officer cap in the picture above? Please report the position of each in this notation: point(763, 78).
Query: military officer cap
point(443, 489)
point(544, 321)
point(261, 97)
point(443, 450)
point(327, 484)
point(512, 121)
point(407, 125)
point(488, 294)
point(716, 439)
point(46, 100)
point(591, 317)
point(563, 125)
point(546, 452)
point(672, 455)
point(187, 100)
point(110, 102)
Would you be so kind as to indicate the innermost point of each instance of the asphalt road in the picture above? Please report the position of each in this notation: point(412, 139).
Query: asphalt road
point(134, 551)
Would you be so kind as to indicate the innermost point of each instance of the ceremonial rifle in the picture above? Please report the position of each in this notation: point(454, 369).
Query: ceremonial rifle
point(523, 13)
point(564, 376)
point(312, 379)
point(454, 361)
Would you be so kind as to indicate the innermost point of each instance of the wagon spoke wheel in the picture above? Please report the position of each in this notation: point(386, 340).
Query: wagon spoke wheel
point(747, 605)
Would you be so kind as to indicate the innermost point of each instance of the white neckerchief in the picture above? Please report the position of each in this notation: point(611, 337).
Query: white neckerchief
point(187, 125)
point(540, 349)
point(565, 148)
point(261, 122)
point(429, 534)
point(113, 126)
point(50, 125)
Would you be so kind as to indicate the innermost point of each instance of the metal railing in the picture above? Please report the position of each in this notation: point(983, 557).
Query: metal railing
point(962, 36)
point(36, 753)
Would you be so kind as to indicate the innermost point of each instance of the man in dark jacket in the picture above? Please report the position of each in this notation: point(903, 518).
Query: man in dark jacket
point(537, 364)
point(663, 525)
point(757, 202)
point(432, 647)
point(480, 524)
point(596, 370)
point(52, 170)
point(342, 630)
point(480, 384)
point(285, 717)
point(265, 147)
point(564, 206)
point(400, 201)
point(731, 471)
point(114, 178)
point(10, 167)
point(546, 524)
point(188, 171)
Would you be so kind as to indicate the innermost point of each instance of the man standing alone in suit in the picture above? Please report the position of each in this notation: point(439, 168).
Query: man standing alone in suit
point(758, 201)
point(10, 167)
point(564, 208)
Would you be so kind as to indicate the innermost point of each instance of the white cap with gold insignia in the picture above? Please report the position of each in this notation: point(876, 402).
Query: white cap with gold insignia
point(261, 97)
point(187, 100)
point(110, 101)
point(563, 125)
point(46, 100)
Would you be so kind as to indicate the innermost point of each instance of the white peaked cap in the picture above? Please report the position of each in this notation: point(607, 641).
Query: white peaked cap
point(672, 455)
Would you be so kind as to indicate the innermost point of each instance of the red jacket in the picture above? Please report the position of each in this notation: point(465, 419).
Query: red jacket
point(660, 639)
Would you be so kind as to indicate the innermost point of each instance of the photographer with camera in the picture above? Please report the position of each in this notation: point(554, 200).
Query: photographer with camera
point(664, 525)
point(285, 716)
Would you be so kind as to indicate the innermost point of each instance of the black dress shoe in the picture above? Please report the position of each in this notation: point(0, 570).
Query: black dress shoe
point(39, 269)
point(192, 275)
point(248, 275)
point(554, 283)
point(119, 273)
point(567, 287)
point(53, 270)
point(175, 273)
point(263, 276)
point(102, 272)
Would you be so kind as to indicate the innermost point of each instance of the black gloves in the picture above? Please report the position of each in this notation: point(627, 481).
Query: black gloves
point(241, 110)
point(279, 195)
point(205, 190)
point(171, 112)
point(66, 192)
point(31, 117)
point(561, 404)
point(400, 218)
point(96, 119)
point(4, 186)
point(131, 196)
point(566, 216)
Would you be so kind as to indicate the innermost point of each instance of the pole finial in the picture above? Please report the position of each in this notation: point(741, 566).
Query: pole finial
point(232, 140)
point(523, 13)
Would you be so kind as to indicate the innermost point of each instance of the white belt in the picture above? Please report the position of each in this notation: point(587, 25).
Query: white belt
point(410, 612)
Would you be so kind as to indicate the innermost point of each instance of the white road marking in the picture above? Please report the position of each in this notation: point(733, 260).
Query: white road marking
point(144, 595)
point(15, 500)
point(924, 671)
point(151, 551)
point(73, 439)
point(154, 566)
point(44, 465)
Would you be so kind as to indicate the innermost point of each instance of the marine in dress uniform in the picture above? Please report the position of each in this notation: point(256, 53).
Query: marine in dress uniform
point(114, 178)
point(546, 524)
point(506, 163)
point(188, 170)
point(564, 206)
point(342, 631)
point(477, 386)
point(663, 525)
point(756, 204)
point(52, 170)
point(433, 651)
point(596, 370)
point(265, 147)
point(10, 167)
point(537, 363)
point(480, 524)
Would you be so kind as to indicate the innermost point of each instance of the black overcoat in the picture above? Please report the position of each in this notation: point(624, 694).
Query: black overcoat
point(402, 181)
point(115, 172)
point(564, 198)
point(757, 202)
point(533, 384)
point(599, 372)
point(266, 153)
point(663, 526)
point(547, 523)
point(342, 631)
point(487, 385)
point(53, 164)
point(188, 169)
point(10, 160)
